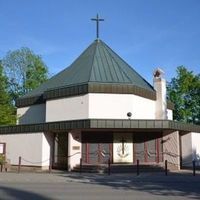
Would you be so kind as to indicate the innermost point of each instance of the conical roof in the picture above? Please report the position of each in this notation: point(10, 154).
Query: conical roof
point(97, 64)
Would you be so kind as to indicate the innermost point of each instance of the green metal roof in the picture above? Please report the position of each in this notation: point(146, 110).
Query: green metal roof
point(97, 64)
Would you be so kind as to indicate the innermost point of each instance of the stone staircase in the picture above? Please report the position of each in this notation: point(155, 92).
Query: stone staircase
point(118, 168)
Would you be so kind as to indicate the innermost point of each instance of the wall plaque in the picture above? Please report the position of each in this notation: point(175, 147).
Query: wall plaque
point(76, 147)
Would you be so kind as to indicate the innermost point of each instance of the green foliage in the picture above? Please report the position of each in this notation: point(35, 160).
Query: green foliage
point(184, 92)
point(2, 159)
point(25, 71)
point(7, 110)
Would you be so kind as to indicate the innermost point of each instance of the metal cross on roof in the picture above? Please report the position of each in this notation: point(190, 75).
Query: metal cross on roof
point(97, 19)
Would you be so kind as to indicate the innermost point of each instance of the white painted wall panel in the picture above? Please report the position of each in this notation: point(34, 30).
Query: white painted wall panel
point(116, 106)
point(28, 146)
point(31, 114)
point(70, 108)
point(196, 147)
point(101, 106)
point(74, 149)
point(123, 152)
point(190, 148)
point(47, 146)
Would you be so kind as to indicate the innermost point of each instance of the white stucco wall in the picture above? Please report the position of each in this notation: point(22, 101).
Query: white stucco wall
point(116, 106)
point(31, 114)
point(74, 149)
point(34, 148)
point(70, 108)
point(100, 106)
point(196, 147)
point(47, 147)
point(108, 106)
point(190, 148)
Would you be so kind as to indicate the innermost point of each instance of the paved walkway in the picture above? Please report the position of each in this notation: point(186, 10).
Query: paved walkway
point(43, 186)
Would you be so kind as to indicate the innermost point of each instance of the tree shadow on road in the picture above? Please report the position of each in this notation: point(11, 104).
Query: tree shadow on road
point(174, 185)
point(18, 194)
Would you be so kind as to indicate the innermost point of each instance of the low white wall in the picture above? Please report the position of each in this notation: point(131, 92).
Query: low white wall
point(116, 106)
point(34, 148)
point(31, 114)
point(196, 147)
point(190, 149)
point(70, 108)
point(186, 149)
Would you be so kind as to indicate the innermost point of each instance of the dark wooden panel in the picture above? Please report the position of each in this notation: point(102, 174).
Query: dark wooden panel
point(139, 151)
point(93, 153)
point(84, 152)
point(96, 153)
point(147, 147)
point(60, 159)
point(151, 150)
point(159, 150)
point(105, 152)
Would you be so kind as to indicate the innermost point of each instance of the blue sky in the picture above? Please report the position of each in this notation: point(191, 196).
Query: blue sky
point(145, 33)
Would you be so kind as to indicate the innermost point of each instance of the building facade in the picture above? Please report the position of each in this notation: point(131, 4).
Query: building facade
point(99, 109)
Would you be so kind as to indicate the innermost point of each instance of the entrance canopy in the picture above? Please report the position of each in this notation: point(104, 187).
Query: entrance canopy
point(101, 124)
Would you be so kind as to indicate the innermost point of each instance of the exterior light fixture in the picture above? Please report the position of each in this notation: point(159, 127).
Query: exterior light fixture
point(129, 114)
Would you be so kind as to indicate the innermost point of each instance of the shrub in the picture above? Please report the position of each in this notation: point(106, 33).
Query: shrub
point(2, 159)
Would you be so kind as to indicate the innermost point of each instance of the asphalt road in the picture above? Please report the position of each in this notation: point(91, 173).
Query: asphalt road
point(71, 186)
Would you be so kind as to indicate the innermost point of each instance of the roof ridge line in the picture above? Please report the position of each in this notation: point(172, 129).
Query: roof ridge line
point(129, 65)
point(96, 42)
point(104, 53)
point(118, 64)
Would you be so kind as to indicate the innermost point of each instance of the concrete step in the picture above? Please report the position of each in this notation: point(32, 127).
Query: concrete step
point(118, 168)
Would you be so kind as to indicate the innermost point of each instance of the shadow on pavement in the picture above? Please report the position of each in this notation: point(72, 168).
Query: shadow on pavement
point(174, 185)
point(18, 194)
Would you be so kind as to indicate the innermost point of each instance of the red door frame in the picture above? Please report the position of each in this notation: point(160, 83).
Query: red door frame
point(157, 148)
point(99, 155)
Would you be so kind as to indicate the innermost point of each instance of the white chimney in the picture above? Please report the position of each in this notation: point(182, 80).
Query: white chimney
point(161, 94)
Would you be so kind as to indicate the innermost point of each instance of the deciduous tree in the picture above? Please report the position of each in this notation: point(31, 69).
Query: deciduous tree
point(7, 110)
point(184, 92)
point(25, 71)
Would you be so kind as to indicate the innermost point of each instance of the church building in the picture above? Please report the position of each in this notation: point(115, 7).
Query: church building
point(99, 109)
